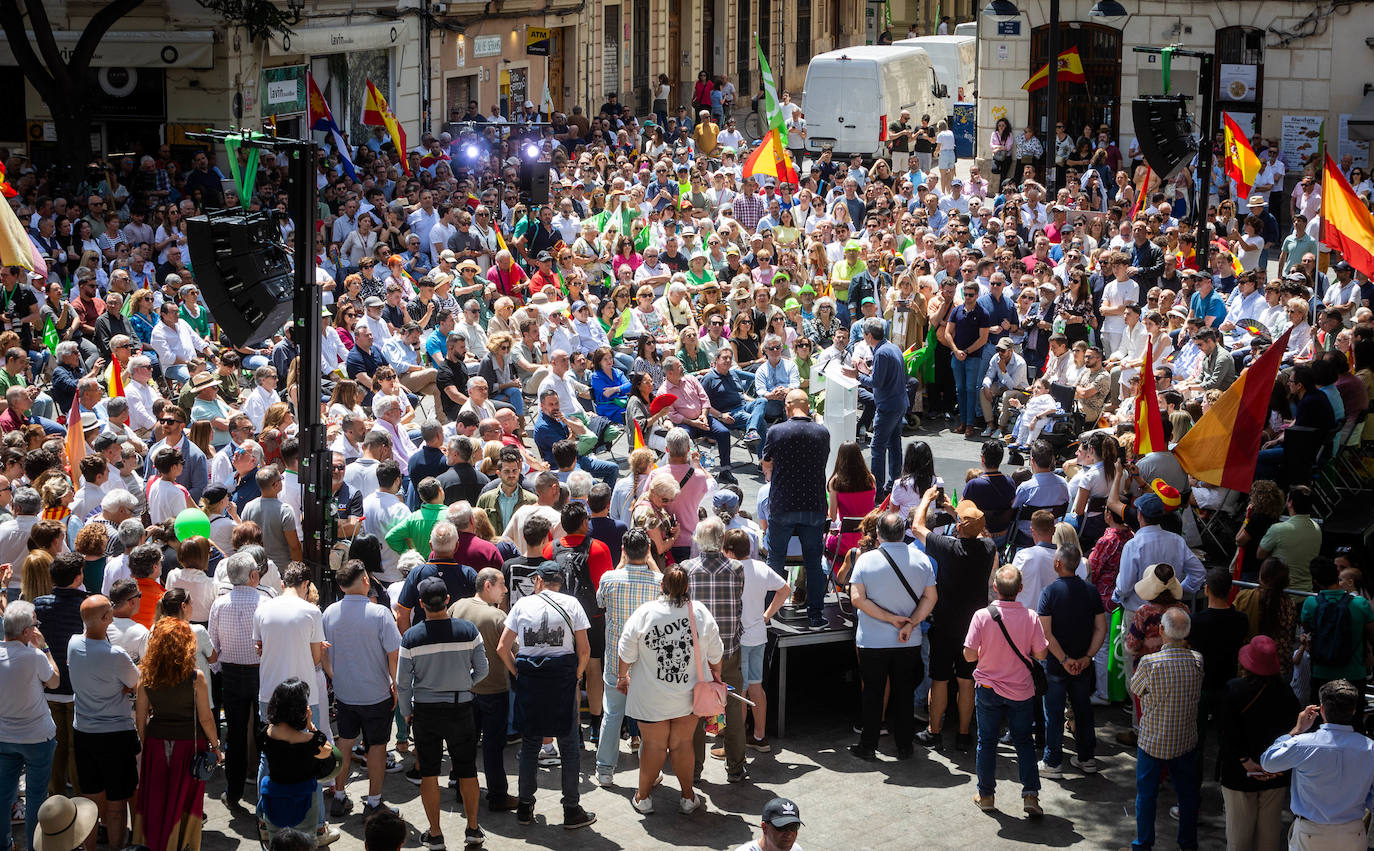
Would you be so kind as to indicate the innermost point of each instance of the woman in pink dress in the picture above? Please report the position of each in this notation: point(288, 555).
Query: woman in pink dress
point(850, 494)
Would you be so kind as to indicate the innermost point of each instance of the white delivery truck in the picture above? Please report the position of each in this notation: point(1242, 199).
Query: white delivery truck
point(854, 93)
point(954, 58)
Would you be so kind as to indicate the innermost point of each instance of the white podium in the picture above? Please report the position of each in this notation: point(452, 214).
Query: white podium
point(841, 410)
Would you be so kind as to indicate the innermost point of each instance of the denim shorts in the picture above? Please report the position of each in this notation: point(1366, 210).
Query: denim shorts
point(751, 662)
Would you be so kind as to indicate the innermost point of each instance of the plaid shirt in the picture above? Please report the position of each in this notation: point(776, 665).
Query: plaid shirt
point(748, 209)
point(621, 592)
point(231, 625)
point(1169, 685)
point(718, 582)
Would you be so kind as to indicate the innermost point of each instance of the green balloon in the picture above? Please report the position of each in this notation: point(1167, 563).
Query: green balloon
point(192, 522)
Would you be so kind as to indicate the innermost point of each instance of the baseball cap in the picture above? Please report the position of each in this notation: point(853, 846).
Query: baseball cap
point(433, 592)
point(956, 182)
point(868, 299)
point(577, 305)
point(782, 814)
point(106, 440)
point(1005, 344)
point(853, 245)
point(549, 569)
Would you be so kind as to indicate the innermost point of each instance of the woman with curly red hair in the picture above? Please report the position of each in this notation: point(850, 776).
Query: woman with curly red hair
point(172, 714)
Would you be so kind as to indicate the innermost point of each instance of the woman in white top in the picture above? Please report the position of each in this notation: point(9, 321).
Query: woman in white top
point(359, 243)
point(170, 233)
point(660, 663)
point(1250, 244)
point(194, 557)
point(945, 150)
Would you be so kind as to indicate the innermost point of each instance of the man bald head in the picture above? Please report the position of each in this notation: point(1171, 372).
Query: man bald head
point(97, 613)
point(798, 403)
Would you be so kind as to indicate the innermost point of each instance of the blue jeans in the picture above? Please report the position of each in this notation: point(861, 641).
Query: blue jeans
point(612, 716)
point(513, 397)
point(177, 372)
point(49, 426)
point(36, 762)
point(1269, 464)
point(1185, 771)
point(719, 432)
point(968, 378)
point(1077, 690)
point(990, 708)
point(570, 751)
point(252, 362)
point(315, 714)
point(809, 527)
point(887, 446)
point(491, 720)
point(606, 471)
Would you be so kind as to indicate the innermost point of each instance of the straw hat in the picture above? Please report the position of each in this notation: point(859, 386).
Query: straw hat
point(64, 823)
point(1151, 586)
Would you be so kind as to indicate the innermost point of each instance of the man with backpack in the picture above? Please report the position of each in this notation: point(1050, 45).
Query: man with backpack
point(1337, 624)
point(585, 560)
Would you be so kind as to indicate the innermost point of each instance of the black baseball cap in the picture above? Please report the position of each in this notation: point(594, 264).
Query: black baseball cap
point(549, 570)
point(433, 592)
point(782, 814)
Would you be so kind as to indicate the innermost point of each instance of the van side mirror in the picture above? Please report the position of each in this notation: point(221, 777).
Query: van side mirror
point(940, 90)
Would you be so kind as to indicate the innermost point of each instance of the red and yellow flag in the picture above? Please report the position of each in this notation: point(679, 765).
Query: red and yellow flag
point(771, 158)
point(637, 442)
point(1224, 445)
point(376, 113)
point(1347, 224)
point(1149, 423)
point(1142, 195)
point(114, 379)
point(76, 438)
point(1070, 71)
point(1242, 165)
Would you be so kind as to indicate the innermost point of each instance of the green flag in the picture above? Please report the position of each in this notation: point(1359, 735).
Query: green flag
point(772, 109)
point(50, 336)
point(642, 240)
point(246, 178)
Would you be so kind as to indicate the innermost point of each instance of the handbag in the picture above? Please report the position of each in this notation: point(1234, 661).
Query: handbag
point(203, 763)
point(708, 695)
point(1038, 676)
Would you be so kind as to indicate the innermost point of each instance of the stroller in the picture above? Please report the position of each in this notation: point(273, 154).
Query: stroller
point(1062, 431)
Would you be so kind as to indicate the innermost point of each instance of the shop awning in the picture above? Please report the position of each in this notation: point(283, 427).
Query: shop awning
point(137, 49)
point(341, 37)
point(1361, 124)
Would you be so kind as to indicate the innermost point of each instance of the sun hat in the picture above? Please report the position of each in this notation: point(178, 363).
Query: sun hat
point(1151, 586)
point(1260, 656)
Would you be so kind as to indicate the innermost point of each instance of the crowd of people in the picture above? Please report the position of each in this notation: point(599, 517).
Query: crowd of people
point(535, 415)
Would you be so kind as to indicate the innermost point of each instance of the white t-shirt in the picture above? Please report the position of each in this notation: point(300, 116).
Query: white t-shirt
point(754, 846)
point(945, 139)
point(130, 635)
point(287, 626)
point(1118, 294)
point(541, 628)
point(166, 499)
point(759, 579)
point(657, 642)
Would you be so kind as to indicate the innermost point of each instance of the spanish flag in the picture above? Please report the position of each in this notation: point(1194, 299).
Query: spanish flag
point(1070, 71)
point(114, 379)
point(1346, 223)
point(376, 113)
point(1242, 165)
point(76, 438)
point(771, 158)
point(1149, 424)
point(1224, 445)
point(637, 440)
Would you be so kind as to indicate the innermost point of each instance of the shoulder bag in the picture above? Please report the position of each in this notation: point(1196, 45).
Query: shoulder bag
point(202, 762)
point(708, 694)
point(1038, 676)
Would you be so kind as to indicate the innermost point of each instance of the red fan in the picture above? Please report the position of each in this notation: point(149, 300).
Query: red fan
point(1253, 327)
point(661, 402)
point(5, 188)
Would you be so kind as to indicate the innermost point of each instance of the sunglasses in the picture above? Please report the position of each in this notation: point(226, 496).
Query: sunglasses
point(169, 421)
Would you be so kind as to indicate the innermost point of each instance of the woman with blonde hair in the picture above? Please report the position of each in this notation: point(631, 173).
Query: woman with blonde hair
point(346, 398)
point(491, 454)
point(653, 513)
point(175, 723)
point(36, 575)
point(628, 488)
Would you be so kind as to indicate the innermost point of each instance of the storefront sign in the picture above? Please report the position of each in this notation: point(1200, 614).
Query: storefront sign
point(339, 38)
point(283, 90)
point(486, 45)
point(536, 41)
point(135, 49)
point(1238, 82)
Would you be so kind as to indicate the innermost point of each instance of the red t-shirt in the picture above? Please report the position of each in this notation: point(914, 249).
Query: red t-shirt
point(598, 557)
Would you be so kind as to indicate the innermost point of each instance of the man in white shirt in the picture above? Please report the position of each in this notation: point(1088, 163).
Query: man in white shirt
point(730, 137)
point(264, 395)
point(566, 221)
point(562, 383)
point(361, 475)
point(423, 220)
point(142, 395)
point(444, 230)
point(956, 200)
point(1036, 562)
point(289, 634)
point(382, 509)
point(176, 343)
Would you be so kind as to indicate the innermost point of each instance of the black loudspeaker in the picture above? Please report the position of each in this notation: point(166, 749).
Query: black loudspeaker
point(1165, 132)
point(243, 271)
point(534, 182)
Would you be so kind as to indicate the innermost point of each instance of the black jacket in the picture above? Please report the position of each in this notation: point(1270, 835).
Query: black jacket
point(1257, 711)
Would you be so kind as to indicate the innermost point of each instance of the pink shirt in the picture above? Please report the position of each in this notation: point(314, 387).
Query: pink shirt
point(998, 668)
point(691, 401)
point(687, 502)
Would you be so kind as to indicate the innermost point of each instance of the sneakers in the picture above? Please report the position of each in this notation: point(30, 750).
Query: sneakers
point(1173, 812)
point(473, 837)
point(751, 436)
point(690, 805)
point(575, 817)
point(759, 745)
point(339, 807)
point(934, 741)
point(985, 803)
point(1031, 804)
point(1087, 766)
point(432, 842)
point(369, 810)
point(413, 774)
point(1052, 772)
point(644, 807)
point(634, 744)
point(989, 431)
point(502, 804)
point(393, 764)
point(718, 752)
point(738, 778)
point(524, 812)
point(329, 834)
point(548, 757)
point(604, 779)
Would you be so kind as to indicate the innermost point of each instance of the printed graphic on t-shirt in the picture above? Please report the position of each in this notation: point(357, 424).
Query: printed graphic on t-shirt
point(546, 634)
point(671, 644)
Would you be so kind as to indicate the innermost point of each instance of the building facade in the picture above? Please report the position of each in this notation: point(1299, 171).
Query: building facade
point(1276, 67)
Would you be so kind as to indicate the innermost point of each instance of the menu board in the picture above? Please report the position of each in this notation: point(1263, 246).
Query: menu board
point(1298, 140)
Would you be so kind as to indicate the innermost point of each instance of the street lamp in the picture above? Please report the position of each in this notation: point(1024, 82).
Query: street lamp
point(1007, 8)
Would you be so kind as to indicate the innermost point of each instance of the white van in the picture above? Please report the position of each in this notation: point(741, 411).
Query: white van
point(954, 58)
point(854, 93)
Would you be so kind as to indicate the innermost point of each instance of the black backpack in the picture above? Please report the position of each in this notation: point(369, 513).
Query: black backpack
point(1332, 645)
point(577, 573)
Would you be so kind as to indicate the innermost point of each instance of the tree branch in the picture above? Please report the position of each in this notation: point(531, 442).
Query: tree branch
point(47, 44)
point(96, 28)
point(13, 24)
